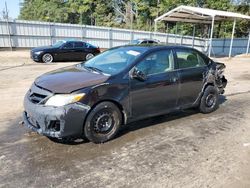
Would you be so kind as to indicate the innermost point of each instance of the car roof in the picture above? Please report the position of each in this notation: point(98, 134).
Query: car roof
point(153, 46)
point(145, 39)
point(71, 40)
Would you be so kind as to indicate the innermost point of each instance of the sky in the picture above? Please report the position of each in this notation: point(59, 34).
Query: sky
point(13, 7)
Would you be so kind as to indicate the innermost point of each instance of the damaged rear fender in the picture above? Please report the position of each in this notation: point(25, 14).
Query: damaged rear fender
point(209, 79)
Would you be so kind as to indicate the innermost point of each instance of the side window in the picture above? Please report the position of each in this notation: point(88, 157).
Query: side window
point(79, 45)
point(68, 45)
point(144, 42)
point(189, 59)
point(85, 45)
point(157, 62)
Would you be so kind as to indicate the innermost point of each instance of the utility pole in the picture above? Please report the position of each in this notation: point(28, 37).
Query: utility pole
point(131, 13)
point(7, 23)
point(158, 3)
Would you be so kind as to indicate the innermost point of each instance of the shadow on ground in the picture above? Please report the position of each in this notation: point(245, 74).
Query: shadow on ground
point(141, 124)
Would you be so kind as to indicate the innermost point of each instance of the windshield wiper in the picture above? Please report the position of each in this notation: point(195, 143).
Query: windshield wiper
point(94, 69)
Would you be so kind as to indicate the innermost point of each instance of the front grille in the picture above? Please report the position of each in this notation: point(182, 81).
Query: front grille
point(37, 94)
point(36, 98)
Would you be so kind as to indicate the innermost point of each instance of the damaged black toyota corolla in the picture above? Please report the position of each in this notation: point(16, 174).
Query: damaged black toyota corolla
point(121, 85)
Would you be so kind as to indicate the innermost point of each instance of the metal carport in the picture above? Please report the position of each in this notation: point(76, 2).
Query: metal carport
point(202, 15)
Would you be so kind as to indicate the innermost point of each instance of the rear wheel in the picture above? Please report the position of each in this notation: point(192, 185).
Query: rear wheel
point(103, 122)
point(47, 58)
point(210, 100)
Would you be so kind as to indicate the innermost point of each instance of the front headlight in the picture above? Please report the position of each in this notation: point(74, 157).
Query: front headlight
point(38, 53)
point(63, 99)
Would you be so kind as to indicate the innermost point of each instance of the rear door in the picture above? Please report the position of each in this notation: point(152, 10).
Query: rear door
point(80, 50)
point(158, 93)
point(191, 69)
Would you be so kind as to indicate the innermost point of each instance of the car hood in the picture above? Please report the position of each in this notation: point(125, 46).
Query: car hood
point(69, 79)
point(42, 48)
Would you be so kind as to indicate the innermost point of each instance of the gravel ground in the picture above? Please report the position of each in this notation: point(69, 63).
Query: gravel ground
point(184, 149)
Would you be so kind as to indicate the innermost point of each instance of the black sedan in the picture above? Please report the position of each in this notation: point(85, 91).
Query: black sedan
point(64, 51)
point(122, 85)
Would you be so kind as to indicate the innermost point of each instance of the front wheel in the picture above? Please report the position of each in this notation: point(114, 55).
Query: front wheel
point(210, 100)
point(47, 58)
point(103, 122)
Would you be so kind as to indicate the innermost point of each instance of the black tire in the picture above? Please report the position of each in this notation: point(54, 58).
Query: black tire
point(89, 56)
point(103, 122)
point(47, 58)
point(210, 100)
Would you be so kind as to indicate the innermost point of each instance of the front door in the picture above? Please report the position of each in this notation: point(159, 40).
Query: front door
point(67, 52)
point(158, 93)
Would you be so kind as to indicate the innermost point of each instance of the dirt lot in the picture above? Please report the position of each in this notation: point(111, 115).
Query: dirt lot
point(184, 149)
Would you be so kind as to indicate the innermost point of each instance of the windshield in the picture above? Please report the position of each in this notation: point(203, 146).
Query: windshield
point(58, 44)
point(134, 42)
point(113, 61)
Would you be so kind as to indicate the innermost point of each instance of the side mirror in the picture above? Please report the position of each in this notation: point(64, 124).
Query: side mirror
point(139, 75)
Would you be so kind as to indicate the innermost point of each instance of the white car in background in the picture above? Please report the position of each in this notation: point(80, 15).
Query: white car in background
point(144, 41)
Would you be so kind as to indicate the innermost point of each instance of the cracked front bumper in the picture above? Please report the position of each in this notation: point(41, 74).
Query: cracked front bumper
point(55, 122)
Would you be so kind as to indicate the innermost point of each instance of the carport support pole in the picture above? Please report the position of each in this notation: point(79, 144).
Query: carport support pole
point(193, 35)
point(248, 44)
point(155, 26)
point(155, 30)
point(176, 30)
point(211, 37)
point(232, 39)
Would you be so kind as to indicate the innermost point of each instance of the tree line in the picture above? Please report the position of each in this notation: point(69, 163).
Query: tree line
point(134, 14)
